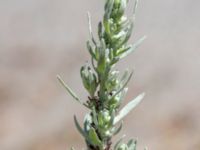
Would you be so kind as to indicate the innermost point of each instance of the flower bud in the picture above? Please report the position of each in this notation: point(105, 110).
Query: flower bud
point(89, 80)
point(116, 100)
point(104, 118)
point(122, 7)
point(108, 133)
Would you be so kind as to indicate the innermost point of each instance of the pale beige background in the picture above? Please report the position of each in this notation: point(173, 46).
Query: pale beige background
point(42, 38)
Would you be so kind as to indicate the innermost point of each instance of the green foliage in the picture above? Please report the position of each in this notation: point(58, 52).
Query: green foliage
point(104, 84)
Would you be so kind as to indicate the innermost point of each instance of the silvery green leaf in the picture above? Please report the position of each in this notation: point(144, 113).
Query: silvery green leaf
point(125, 76)
point(123, 49)
point(117, 130)
point(132, 144)
point(94, 139)
point(119, 35)
point(122, 7)
point(94, 116)
point(90, 28)
point(122, 95)
point(132, 48)
point(123, 86)
point(113, 75)
point(124, 111)
point(119, 142)
point(123, 147)
point(97, 52)
point(135, 145)
point(129, 30)
point(100, 120)
point(102, 64)
point(106, 24)
point(106, 116)
point(108, 8)
point(112, 81)
point(135, 8)
point(91, 51)
point(118, 43)
point(103, 46)
point(123, 21)
point(112, 117)
point(84, 76)
point(68, 89)
point(93, 64)
point(114, 102)
point(92, 81)
point(115, 60)
point(100, 30)
point(79, 127)
point(87, 123)
point(108, 11)
point(89, 79)
point(125, 36)
point(111, 53)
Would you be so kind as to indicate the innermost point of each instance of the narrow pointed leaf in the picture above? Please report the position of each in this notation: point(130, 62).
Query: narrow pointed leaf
point(94, 116)
point(125, 75)
point(135, 8)
point(132, 144)
point(87, 121)
point(119, 142)
point(133, 47)
point(79, 128)
point(69, 90)
point(90, 49)
point(90, 28)
point(116, 131)
point(128, 79)
point(109, 8)
point(94, 139)
point(100, 30)
point(108, 11)
point(127, 35)
point(93, 65)
point(112, 117)
point(135, 145)
point(128, 107)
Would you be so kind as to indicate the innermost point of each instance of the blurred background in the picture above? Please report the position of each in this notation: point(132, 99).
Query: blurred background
point(42, 38)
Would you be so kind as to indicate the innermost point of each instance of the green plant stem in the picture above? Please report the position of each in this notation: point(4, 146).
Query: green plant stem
point(103, 83)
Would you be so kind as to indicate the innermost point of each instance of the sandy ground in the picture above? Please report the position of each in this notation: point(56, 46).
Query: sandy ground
point(42, 38)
